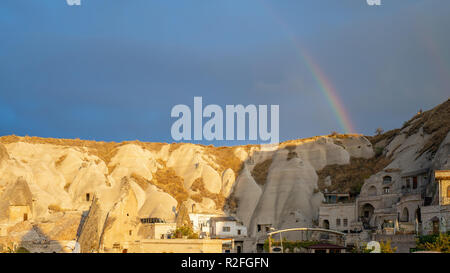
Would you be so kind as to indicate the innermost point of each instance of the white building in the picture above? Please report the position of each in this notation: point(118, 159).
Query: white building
point(201, 223)
point(227, 227)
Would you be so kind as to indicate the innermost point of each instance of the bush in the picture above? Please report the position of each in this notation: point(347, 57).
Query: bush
point(386, 247)
point(22, 250)
point(185, 231)
point(378, 151)
point(440, 243)
point(55, 208)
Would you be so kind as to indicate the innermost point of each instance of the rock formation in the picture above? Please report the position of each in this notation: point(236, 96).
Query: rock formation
point(257, 184)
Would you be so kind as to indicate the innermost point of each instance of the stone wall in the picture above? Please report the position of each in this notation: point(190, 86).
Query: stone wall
point(19, 213)
point(332, 212)
point(169, 246)
point(432, 212)
point(403, 242)
point(46, 247)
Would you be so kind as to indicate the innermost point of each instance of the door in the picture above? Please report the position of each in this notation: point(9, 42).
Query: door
point(415, 182)
point(435, 227)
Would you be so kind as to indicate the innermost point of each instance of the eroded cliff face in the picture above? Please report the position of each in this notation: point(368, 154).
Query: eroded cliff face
point(64, 176)
point(257, 184)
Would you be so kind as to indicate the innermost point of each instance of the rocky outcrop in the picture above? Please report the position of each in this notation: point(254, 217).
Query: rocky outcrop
point(90, 230)
point(17, 194)
point(257, 184)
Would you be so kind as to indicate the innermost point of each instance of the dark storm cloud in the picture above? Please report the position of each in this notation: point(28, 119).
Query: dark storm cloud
point(112, 70)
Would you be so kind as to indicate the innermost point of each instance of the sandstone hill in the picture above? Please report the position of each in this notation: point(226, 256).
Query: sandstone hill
point(280, 185)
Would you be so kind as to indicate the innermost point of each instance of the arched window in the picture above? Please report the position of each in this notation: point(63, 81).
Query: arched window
point(387, 179)
point(405, 215)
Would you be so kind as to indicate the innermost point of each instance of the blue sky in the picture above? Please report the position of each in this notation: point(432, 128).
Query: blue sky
point(113, 69)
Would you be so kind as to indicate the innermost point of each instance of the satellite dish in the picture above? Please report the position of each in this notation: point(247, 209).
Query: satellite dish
point(375, 246)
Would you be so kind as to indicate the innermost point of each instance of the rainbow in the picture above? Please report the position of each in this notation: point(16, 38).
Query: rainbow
point(330, 94)
point(324, 84)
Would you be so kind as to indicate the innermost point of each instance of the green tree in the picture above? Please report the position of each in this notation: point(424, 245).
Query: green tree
point(440, 243)
point(185, 231)
point(379, 131)
point(386, 247)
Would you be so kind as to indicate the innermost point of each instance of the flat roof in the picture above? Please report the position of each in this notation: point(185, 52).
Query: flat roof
point(416, 172)
point(223, 219)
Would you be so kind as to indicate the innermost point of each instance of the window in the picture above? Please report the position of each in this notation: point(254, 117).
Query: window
point(239, 232)
point(338, 222)
point(436, 226)
point(345, 222)
point(408, 183)
point(130, 232)
point(25, 217)
point(386, 190)
point(415, 182)
point(387, 179)
point(226, 229)
point(88, 196)
point(259, 228)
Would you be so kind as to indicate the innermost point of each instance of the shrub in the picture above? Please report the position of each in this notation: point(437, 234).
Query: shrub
point(440, 243)
point(55, 207)
point(185, 231)
point(261, 170)
point(386, 247)
point(60, 160)
point(378, 151)
point(22, 250)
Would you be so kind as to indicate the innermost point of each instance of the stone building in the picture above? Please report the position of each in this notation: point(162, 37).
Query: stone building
point(227, 227)
point(16, 203)
point(156, 228)
point(377, 201)
point(435, 218)
point(201, 223)
point(339, 216)
point(392, 203)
